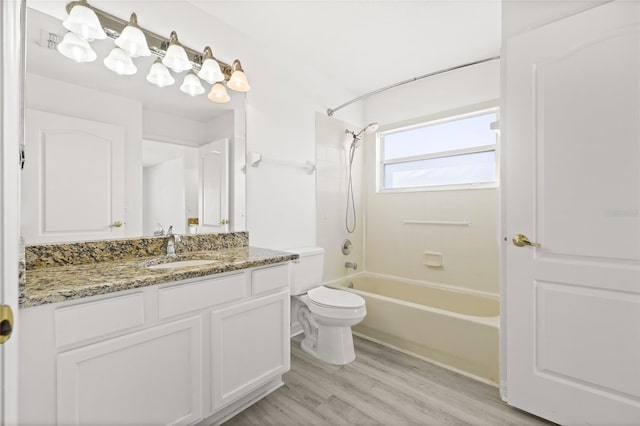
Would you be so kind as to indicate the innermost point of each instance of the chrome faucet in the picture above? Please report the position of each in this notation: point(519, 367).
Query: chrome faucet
point(352, 265)
point(171, 242)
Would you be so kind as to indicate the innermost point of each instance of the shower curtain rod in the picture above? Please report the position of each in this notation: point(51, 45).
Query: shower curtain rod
point(330, 111)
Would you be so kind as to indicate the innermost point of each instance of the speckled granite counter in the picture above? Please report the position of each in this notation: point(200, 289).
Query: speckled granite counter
point(58, 283)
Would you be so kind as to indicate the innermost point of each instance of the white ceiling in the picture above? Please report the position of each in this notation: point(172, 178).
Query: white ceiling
point(359, 45)
point(365, 45)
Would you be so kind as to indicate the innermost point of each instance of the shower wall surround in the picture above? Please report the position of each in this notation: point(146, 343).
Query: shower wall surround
point(331, 199)
point(470, 254)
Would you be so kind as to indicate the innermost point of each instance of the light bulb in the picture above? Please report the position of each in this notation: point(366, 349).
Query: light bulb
point(191, 85)
point(210, 70)
point(76, 48)
point(132, 39)
point(120, 62)
point(176, 57)
point(160, 75)
point(238, 80)
point(84, 22)
point(218, 94)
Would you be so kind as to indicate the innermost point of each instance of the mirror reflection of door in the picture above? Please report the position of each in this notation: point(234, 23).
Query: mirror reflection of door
point(214, 180)
point(73, 181)
point(170, 179)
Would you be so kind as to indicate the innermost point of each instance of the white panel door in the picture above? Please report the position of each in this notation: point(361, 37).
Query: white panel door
point(12, 29)
point(214, 186)
point(573, 185)
point(250, 346)
point(73, 180)
point(90, 379)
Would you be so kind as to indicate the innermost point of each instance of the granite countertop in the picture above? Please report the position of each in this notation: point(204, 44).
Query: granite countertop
point(60, 283)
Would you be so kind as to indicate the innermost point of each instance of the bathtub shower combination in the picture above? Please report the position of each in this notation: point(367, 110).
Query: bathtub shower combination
point(451, 327)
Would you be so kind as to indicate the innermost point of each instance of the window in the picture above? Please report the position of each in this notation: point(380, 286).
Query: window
point(455, 152)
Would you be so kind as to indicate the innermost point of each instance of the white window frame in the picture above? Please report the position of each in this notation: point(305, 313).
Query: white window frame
point(444, 117)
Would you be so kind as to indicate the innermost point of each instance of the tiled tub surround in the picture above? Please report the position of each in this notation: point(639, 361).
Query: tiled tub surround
point(60, 272)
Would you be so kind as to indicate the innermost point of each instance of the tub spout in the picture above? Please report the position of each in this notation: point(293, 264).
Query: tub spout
point(352, 265)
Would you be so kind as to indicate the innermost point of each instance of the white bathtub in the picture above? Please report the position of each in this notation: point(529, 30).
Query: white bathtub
point(451, 327)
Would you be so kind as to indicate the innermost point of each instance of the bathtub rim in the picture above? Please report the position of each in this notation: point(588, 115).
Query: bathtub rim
point(492, 321)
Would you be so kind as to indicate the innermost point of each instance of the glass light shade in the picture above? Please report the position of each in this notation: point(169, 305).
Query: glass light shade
point(84, 22)
point(210, 71)
point(176, 57)
point(160, 75)
point(132, 39)
point(238, 82)
point(219, 94)
point(120, 62)
point(76, 48)
point(191, 85)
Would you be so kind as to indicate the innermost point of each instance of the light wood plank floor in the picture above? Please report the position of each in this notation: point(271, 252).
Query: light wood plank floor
point(381, 387)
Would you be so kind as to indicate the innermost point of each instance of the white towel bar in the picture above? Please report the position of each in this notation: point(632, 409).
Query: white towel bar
point(255, 159)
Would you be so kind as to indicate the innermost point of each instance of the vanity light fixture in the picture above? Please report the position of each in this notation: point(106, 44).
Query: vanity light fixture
point(120, 62)
point(210, 71)
point(218, 94)
point(176, 57)
point(132, 39)
point(82, 20)
point(238, 80)
point(87, 23)
point(159, 74)
point(191, 85)
point(76, 48)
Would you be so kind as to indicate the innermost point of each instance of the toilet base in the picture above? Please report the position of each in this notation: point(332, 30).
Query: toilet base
point(333, 345)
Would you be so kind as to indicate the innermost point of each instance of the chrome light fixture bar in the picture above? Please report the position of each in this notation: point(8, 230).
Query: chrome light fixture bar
point(158, 45)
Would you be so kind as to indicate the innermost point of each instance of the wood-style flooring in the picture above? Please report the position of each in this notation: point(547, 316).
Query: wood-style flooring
point(381, 387)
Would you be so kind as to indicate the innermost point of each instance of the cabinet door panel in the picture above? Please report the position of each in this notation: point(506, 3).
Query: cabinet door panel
point(162, 370)
point(250, 346)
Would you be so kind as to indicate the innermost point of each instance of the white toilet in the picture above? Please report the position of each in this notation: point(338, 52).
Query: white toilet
point(326, 314)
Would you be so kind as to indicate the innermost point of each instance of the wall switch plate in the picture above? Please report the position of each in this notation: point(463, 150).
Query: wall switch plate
point(432, 259)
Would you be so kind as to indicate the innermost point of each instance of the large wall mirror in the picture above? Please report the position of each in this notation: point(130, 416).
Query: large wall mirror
point(111, 156)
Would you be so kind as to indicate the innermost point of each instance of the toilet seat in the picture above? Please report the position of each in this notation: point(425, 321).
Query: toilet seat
point(331, 298)
point(347, 306)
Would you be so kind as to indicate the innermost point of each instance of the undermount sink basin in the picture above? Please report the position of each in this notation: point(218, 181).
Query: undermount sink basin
point(182, 264)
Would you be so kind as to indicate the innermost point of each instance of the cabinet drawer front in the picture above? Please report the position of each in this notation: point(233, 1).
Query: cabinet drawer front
point(185, 298)
point(85, 321)
point(268, 279)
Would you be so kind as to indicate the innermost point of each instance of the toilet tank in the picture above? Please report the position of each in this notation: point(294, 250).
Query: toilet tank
point(306, 272)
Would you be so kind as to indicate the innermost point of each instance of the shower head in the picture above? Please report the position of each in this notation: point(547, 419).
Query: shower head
point(370, 128)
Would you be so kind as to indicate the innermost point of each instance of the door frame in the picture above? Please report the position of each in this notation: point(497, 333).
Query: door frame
point(11, 137)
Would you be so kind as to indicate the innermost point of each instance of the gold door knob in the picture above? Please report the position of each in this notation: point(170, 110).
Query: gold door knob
point(116, 224)
point(522, 240)
point(6, 323)
point(223, 222)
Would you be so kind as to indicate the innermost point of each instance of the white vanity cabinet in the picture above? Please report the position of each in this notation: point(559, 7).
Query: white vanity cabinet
point(153, 376)
point(179, 353)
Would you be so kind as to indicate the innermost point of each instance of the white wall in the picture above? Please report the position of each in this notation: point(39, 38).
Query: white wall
point(331, 196)
point(88, 104)
point(161, 127)
point(470, 254)
point(232, 125)
point(164, 196)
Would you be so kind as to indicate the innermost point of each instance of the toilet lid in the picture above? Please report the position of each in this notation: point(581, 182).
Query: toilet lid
point(335, 298)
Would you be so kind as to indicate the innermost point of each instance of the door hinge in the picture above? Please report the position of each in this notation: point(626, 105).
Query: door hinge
point(22, 157)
